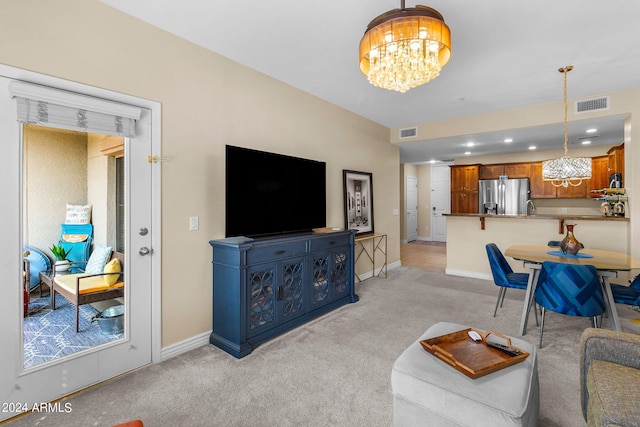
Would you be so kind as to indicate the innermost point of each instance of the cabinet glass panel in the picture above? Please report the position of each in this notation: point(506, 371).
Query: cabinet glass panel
point(320, 280)
point(292, 281)
point(340, 276)
point(262, 301)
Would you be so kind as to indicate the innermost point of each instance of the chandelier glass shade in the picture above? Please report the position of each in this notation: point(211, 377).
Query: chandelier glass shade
point(405, 48)
point(566, 170)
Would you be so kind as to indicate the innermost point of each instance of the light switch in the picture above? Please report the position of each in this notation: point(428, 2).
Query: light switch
point(395, 212)
point(193, 223)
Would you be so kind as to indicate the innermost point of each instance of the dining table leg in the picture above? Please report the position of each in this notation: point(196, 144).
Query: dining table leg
point(528, 296)
point(608, 298)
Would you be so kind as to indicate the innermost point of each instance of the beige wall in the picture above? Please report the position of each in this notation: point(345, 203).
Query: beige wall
point(207, 102)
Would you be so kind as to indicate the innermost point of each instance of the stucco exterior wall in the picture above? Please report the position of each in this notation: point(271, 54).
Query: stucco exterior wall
point(55, 173)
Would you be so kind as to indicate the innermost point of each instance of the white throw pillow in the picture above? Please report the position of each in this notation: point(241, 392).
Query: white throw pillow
point(98, 259)
point(78, 214)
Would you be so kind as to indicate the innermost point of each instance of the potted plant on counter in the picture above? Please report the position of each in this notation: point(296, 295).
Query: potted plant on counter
point(62, 263)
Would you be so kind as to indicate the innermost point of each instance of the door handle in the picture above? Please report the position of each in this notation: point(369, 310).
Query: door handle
point(145, 251)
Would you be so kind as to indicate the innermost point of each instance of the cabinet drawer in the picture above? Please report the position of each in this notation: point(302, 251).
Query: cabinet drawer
point(275, 252)
point(330, 241)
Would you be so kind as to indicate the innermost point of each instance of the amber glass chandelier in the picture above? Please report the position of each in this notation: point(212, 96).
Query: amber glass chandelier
point(566, 170)
point(405, 48)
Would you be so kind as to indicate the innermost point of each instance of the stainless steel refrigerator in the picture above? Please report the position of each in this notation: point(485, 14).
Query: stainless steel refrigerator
point(503, 196)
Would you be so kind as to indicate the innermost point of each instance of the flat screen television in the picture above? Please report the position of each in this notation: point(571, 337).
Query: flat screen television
point(268, 194)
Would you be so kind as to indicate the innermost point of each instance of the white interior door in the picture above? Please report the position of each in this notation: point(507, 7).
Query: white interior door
point(440, 201)
point(51, 380)
point(412, 208)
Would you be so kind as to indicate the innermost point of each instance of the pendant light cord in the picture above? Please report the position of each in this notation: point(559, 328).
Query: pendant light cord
point(565, 70)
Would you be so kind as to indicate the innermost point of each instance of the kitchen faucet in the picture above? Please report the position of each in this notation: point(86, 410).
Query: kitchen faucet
point(533, 206)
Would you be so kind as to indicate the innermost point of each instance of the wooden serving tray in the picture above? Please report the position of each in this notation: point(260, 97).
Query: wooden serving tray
point(474, 359)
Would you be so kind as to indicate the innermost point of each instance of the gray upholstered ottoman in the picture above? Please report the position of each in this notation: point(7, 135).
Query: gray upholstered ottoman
point(428, 392)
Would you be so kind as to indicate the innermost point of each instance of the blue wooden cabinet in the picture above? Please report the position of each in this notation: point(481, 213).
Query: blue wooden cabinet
point(265, 287)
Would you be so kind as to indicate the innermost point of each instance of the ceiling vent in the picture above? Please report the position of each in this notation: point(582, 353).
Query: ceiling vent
point(408, 133)
point(592, 104)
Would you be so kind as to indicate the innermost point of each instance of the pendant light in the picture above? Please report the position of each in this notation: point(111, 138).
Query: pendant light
point(405, 48)
point(566, 170)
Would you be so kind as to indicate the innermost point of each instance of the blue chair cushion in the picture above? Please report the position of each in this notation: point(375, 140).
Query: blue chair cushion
point(625, 294)
point(629, 295)
point(501, 271)
point(518, 280)
point(570, 289)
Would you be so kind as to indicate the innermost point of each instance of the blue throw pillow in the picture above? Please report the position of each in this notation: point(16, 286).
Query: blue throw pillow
point(98, 259)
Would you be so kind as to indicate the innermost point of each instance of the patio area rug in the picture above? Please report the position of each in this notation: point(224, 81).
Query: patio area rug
point(51, 334)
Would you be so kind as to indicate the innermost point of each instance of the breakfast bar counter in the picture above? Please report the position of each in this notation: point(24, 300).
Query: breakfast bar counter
point(467, 235)
point(560, 218)
point(543, 216)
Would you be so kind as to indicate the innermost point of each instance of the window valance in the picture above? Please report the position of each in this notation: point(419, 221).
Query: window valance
point(45, 106)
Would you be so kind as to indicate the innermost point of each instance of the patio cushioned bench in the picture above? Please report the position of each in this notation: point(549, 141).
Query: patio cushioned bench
point(82, 288)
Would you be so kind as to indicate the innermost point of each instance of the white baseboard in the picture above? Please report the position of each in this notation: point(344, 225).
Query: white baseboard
point(184, 346)
point(423, 239)
point(465, 273)
point(369, 274)
point(394, 265)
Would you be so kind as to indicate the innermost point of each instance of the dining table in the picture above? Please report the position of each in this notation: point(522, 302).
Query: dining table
point(608, 264)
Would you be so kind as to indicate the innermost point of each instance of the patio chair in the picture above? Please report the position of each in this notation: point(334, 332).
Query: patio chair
point(86, 288)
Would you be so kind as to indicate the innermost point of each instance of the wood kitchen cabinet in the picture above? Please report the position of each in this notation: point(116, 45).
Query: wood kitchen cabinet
point(541, 189)
point(581, 191)
point(517, 170)
point(491, 171)
point(599, 174)
point(464, 188)
point(512, 170)
point(464, 178)
point(464, 202)
point(616, 160)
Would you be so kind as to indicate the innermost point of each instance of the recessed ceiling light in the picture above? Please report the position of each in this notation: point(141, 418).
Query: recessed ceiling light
point(587, 142)
point(508, 140)
point(532, 147)
point(592, 130)
point(470, 144)
point(467, 153)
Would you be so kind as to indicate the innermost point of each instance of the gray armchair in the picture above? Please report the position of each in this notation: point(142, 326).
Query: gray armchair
point(610, 377)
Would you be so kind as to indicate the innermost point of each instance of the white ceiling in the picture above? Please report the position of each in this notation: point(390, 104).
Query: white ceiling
point(506, 54)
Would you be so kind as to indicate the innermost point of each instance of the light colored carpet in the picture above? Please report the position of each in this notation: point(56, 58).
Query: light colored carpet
point(333, 371)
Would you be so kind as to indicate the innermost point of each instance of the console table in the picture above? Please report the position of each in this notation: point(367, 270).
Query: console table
point(378, 244)
point(265, 287)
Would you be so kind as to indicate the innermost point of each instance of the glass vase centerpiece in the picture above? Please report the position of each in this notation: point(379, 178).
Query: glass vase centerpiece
point(570, 245)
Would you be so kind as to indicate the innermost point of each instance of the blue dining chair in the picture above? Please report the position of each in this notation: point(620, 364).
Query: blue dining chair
point(629, 295)
point(571, 289)
point(503, 275)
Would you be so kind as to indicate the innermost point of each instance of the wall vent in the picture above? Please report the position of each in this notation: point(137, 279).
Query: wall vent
point(408, 133)
point(592, 104)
